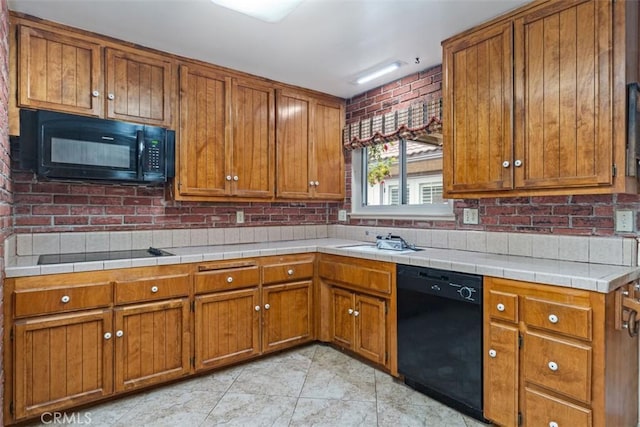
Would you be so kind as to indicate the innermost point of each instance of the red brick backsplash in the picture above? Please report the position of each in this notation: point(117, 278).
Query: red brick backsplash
point(48, 206)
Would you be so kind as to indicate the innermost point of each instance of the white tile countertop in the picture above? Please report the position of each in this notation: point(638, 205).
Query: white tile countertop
point(581, 275)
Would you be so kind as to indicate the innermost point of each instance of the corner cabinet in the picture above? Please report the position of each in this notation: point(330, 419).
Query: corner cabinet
point(310, 159)
point(553, 131)
point(226, 136)
point(552, 357)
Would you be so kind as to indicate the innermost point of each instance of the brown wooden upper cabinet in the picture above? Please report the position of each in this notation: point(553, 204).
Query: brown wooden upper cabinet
point(226, 136)
point(532, 101)
point(61, 71)
point(310, 162)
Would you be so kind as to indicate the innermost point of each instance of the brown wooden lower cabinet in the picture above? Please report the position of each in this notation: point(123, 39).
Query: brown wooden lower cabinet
point(62, 361)
point(553, 357)
point(152, 343)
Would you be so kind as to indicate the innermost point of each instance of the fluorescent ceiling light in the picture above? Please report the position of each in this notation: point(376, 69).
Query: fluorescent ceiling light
point(265, 10)
point(378, 73)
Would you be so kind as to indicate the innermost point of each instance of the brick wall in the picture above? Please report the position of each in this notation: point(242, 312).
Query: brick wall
point(5, 179)
point(574, 215)
point(54, 206)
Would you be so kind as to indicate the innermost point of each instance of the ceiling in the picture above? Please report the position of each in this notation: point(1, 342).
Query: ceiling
point(323, 44)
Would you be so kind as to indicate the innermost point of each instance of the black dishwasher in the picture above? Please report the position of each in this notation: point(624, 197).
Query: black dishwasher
point(440, 335)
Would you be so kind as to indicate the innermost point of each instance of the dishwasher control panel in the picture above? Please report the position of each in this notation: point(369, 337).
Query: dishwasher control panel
point(447, 284)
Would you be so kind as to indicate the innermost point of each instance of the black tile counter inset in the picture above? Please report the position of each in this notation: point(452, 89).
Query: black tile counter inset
point(100, 256)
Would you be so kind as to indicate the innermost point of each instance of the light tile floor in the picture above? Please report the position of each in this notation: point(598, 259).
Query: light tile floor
point(314, 385)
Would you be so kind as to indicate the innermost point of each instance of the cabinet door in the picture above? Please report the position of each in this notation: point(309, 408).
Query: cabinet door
point(138, 88)
point(288, 315)
point(62, 361)
point(58, 72)
point(501, 374)
point(253, 166)
point(152, 343)
point(227, 327)
point(478, 90)
point(370, 328)
point(342, 323)
point(328, 163)
point(204, 158)
point(563, 63)
point(293, 145)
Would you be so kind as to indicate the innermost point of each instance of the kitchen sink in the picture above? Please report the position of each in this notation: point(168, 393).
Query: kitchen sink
point(372, 248)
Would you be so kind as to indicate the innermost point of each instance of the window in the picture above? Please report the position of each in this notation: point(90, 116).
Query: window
point(379, 171)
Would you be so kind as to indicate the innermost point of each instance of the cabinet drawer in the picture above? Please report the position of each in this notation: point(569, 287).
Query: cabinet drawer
point(43, 301)
point(228, 278)
point(558, 317)
point(543, 410)
point(558, 365)
point(287, 272)
point(356, 275)
point(152, 289)
point(503, 306)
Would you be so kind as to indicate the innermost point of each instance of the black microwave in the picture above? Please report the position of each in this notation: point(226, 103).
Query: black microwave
point(58, 145)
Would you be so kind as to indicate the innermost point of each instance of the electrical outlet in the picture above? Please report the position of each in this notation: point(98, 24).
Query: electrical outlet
point(624, 221)
point(469, 216)
point(239, 217)
point(342, 215)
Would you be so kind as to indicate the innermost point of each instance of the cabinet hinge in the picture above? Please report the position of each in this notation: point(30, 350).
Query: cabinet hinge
point(11, 334)
point(520, 341)
point(11, 408)
point(519, 418)
point(386, 308)
point(193, 362)
point(193, 306)
point(386, 357)
point(614, 170)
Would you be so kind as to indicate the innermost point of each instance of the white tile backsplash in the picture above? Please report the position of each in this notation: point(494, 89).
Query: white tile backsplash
point(572, 248)
point(519, 244)
point(180, 238)
point(544, 246)
point(120, 241)
point(162, 238)
point(73, 242)
point(97, 242)
point(24, 244)
point(46, 243)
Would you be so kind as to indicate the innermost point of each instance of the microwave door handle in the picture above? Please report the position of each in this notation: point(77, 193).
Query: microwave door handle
point(140, 144)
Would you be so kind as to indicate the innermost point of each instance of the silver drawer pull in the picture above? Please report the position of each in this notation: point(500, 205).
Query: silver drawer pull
point(553, 318)
point(65, 299)
point(553, 366)
point(111, 96)
point(229, 279)
point(119, 334)
point(257, 308)
point(290, 272)
point(517, 163)
point(500, 307)
point(553, 424)
point(356, 313)
point(506, 164)
point(154, 289)
point(350, 311)
point(95, 94)
point(492, 353)
point(107, 335)
point(267, 306)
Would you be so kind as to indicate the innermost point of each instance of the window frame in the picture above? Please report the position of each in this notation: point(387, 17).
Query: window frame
point(437, 212)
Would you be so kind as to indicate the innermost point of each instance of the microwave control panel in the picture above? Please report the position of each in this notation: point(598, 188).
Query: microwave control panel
point(153, 156)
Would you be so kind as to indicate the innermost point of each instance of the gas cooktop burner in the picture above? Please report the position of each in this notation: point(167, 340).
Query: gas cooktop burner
point(100, 256)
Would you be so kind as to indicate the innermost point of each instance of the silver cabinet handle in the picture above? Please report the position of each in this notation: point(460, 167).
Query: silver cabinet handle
point(506, 164)
point(107, 335)
point(229, 279)
point(290, 272)
point(154, 289)
point(311, 183)
point(257, 308)
point(267, 306)
point(492, 353)
point(356, 313)
point(517, 163)
point(553, 424)
point(119, 334)
point(235, 177)
point(553, 366)
point(500, 307)
point(95, 94)
point(111, 96)
point(228, 177)
point(317, 183)
point(350, 311)
point(553, 318)
point(65, 299)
